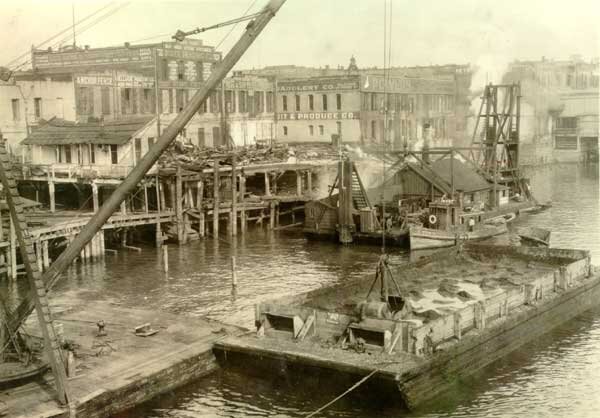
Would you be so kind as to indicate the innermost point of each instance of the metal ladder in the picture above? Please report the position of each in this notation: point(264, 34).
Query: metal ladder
point(36, 284)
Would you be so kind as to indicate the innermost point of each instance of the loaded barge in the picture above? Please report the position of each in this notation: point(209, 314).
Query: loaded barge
point(416, 328)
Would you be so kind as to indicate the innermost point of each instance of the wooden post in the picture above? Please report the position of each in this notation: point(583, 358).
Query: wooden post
point(179, 208)
point(123, 208)
point(233, 196)
point(161, 192)
point(13, 250)
point(146, 209)
point(272, 215)
point(298, 183)
point(52, 197)
point(165, 253)
point(200, 206)
point(233, 274)
point(267, 186)
point(159, 203)
point(38, 255)
point(309, 182)
point(242, 201)
point(102, 243)
point(95, 196)
point(45, 254)
point(216, 180)
point(172, 196)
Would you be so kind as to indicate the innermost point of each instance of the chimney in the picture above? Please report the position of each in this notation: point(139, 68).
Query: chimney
point(127, 44)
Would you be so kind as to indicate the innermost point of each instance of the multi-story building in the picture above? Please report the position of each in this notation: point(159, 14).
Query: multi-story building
point(561, 108)
point(92, 84)
point(352, 106)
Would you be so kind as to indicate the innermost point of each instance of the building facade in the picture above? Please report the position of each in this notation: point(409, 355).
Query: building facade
point(353, 107)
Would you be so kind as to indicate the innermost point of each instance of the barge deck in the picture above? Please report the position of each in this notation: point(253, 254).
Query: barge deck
point(118, 371)
point(462, 312)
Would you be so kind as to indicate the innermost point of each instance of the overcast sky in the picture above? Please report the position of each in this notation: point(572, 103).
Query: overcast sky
point(328, 32)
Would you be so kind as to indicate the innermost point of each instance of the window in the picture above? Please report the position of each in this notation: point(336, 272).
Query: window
point(126, 101)
point(324, 102)
point(79, 154)
point(179, 99)
point(229, 102)
point(201, 139)
point(199, 71)
point(92, 154)
point(311, 130)
point(15, 109)
point(170, 100)
point(297, 102)
point(37, 107)
point(566, 123)
point(67, 154)
point(148, 104)
point(565, 143)
point(105, 100)
point(269, 101)
point(214, 102)
point(373, 129)
point(338, 101)
point(164, 69)
point(138, 149)
point(216, 131)
point(150, 142)
point(180, 70)
point(321, 130)
point(242, 97)
point(284, 103)
point(311, 102)
point(114, 156)
point(285, 131)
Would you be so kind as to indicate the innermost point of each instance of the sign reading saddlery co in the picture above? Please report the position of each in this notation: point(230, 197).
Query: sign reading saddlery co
point(318, 116)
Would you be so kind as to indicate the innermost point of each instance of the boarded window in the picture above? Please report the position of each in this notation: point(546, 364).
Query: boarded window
point(565, 142)
point(324, 102)
point(114, 156)
point(105, 100)
point(37, 107)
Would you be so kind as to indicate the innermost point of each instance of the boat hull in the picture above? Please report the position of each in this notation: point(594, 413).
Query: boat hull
point(422, 238)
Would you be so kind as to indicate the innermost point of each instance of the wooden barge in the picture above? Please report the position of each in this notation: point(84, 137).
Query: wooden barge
point(447, 316)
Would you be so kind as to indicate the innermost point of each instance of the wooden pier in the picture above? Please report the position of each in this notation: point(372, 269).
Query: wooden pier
point(119, 370)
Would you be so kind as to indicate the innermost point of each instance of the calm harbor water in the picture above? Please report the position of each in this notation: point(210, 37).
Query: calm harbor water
point(555, 376)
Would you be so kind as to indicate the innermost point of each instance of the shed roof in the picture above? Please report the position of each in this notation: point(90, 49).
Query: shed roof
point(58, 131)
point(465, 177)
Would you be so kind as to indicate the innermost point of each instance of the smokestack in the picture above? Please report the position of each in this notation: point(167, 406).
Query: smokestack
point(426, 141)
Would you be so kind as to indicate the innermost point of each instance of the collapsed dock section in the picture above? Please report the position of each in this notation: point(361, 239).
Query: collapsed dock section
point(421, 325)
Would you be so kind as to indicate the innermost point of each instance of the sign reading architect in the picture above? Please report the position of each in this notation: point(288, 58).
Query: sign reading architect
point(318, 116)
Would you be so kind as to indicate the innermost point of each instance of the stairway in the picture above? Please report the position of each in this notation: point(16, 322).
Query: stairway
point(34, 276)
point(359, 197)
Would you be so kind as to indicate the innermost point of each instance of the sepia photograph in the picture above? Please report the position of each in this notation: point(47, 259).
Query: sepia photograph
point(299, 208)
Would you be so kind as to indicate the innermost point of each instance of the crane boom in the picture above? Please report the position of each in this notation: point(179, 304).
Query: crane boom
point(253, 29)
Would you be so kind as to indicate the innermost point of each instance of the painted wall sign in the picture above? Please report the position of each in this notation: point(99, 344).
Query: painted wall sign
point(122, 80)
point(43, 59)
point(318, 85)
point(318, 116)
point(379, 84)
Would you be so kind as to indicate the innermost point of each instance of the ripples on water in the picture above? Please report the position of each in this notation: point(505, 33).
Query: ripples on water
point(555, 376)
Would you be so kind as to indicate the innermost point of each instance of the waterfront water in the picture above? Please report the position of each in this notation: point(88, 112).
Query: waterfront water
point(555, 376)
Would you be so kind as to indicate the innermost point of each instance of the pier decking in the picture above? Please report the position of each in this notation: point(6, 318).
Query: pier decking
point(120, 370)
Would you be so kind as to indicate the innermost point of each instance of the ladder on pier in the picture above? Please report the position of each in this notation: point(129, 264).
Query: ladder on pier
point(359, 194)
point(34, 277)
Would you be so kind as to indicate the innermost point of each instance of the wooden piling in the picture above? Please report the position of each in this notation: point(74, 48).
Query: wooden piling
point(216, 204)
point(38, 255)
point(45, 254)
point(233, 196)
point(267, 185)
point(51, 192)
point(200, 207)
point(179, 208)
point(233, 273)
point(272, 215)
point(242, 203)
point(298, 183)
point(146, 208)
point(13, 250)
point(165, 253)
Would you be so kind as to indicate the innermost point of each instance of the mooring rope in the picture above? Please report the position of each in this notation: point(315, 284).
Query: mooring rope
point(357, 384)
